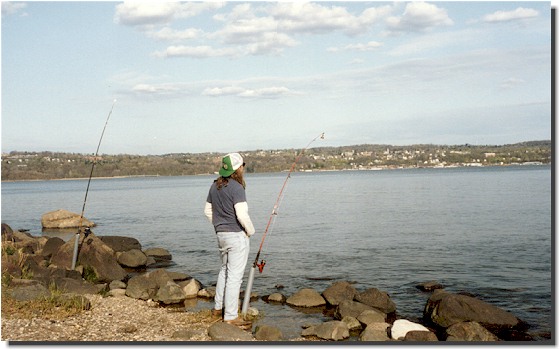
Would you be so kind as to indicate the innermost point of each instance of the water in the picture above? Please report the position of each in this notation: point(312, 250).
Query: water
point(486, 231)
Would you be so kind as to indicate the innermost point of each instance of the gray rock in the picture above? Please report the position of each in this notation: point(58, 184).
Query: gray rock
point(306, 297)
point(338, 292)
point(117, 285)
point(332, 330)
point(141, 287)
point(121, 243)
point(61, 219)
point(190, 288)
point(178, 276)
point(51, 246)
point(445, 309)
point(207, 293)
point(187, 334)
point(377, 299)
point(371, 316)
point(276, 298)
point(350, 308)
point(352, 323)
point(158, 253)
point(268, 333)
point(132, 258)
point(170, 293)
point(70, 285)
point(419, 336)
point(375, 332)
point(117, 292)
point(429, 286)
point(221, 331)
point(469, 331)
point(29, 292)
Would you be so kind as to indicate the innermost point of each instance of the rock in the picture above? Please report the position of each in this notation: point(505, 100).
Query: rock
point(332, 330)
point(117, 292)
point(376, 299)
point(276, 298)
point(207, 293)
point(469, 331)
point(371, 316)
point(170, 293)
point(429, 286)
point(29, 292)
point(221, 331)
point(158, 254)
point(51, 246)
point(132, 258)
point(401, 327)
point(160, 277)
point(190, 288)
point(375, 332)
point(121, 243)
point(445, 309)
point(70, 285)
point(141, 287)
point(60, 219)
point(352, 323)
point(338, 292)
point(306, 297)
point(117, 285)
point(178, 276)
point(93, 254)
point(6, 232)
point(418, 336)
point(350, 308)
point(268, 333)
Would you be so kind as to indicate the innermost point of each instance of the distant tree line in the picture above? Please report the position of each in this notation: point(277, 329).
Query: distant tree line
point(54, 165)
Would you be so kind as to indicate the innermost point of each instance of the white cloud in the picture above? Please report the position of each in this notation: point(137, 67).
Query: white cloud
point(511, 82)
point(419, 16)
point(370, 46)
point(152, 13)
point(519, 13)
point(11, 8)
point(203, 51)
point(267, 92)
point(168, 34)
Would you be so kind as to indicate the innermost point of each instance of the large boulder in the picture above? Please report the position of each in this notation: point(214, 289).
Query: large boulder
point(446, 309)
point(170, 293)
point(377, 299)
point(132, 258)
point(121, 243)
point(268, 333)
point(141, 287)
point(375, 332)
point(350, 308)
point(61, 219)
point(190, 288)
point(222, 331)
point(306, 297)
point(338, 292)
point(93, 254)
point(51, 246)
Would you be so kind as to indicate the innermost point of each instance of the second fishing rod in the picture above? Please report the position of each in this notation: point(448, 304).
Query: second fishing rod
point(269, 226)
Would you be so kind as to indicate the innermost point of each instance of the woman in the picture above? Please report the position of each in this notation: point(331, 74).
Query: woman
point(226, 208)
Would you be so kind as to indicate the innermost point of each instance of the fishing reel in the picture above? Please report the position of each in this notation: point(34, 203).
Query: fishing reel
point(261, 265)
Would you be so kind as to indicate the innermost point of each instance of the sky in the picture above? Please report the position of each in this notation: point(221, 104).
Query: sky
point(193, 77)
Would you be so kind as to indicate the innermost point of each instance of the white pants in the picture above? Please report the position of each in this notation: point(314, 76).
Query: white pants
point(234, 250)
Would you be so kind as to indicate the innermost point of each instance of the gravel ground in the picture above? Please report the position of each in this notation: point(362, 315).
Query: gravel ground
point(114, 319)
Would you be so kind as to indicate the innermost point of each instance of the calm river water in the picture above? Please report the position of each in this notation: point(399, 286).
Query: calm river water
point(485, 231)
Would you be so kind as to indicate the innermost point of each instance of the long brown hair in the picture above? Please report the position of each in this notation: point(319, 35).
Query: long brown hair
point(237, 176)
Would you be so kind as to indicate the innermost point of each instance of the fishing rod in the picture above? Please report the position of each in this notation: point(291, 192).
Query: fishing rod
point(271, 221)
point(87, 230)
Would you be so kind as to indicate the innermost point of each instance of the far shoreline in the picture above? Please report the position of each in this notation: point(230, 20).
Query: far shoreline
point(283, 171)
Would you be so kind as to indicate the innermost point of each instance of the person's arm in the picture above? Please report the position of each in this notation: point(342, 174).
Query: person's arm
point(242, 213)
point(208, 211)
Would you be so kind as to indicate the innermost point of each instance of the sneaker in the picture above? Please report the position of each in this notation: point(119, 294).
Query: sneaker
point(216, 313)
point(240, 323)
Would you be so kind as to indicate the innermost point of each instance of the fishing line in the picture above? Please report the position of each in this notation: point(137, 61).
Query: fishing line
point(94, 161)
point(271, 221)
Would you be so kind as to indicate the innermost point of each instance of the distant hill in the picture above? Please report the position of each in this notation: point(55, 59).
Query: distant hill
point(55, 165)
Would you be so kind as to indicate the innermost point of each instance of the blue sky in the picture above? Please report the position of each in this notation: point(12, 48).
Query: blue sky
point(240, 76)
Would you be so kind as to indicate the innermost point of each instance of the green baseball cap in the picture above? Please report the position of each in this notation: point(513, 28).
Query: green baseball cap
point(230, 163)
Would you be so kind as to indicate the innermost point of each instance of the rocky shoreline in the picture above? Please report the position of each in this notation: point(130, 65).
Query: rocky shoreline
point(128, 295)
